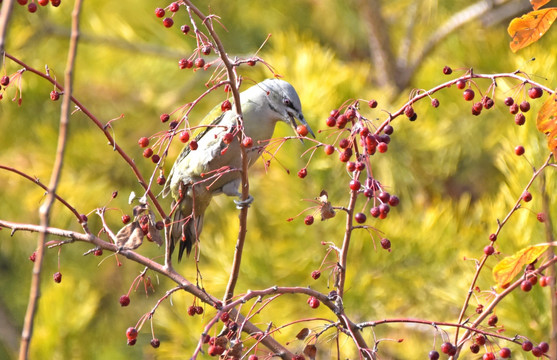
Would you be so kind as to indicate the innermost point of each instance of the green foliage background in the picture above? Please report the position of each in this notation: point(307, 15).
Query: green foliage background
point(455, 174)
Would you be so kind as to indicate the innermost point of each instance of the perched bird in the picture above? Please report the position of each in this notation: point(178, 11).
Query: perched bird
point(215, 166)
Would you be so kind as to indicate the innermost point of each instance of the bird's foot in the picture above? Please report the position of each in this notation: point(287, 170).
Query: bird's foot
point(240, 204)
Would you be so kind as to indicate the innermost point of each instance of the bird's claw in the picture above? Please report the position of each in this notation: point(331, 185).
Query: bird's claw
point(240, 204)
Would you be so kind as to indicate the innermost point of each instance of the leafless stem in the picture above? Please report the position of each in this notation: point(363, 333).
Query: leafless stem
point(44, 211)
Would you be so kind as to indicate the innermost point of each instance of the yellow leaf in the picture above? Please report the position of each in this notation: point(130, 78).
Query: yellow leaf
point(538, 3)
point(546, 122)
point(530, 27)
point(505, 271)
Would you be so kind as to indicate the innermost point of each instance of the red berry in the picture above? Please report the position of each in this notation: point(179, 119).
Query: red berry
point(535, 92)
point(489, 250)
point(224, 317)
point(159, 12)
point(537, 352)
point(385, 244)
point(341, 121)
point(57, 277)
point(468, 94)
point(193, 145)
point(488, 356)
point(382, 147)
point(331, 121)
point(519, 119)
point(191, 310)
point(168, 22)
point(313, 302)
point(360, 218)
point(526, 196)
point(527, 345)
point(345, 155)
point(33, 257)
point(505, 353)
point(526, 286)
point(513, 109)
point(409, 111)
point(446, 347)
point(155, 343)
point(253, 357)
point(435, 103)
point(185, 136)
point(55, 3)
point(131, 333)
point(433, 355)
point(544, 281)
point(185, 29)
point(302, 173)
point(329, 149)
point(447, 70)
point(308, 220)
point(343, 143)
point(355, 185)
point(5, 80)
point(226, 105)
point(54, 95)
point(22, 2)
point(199, 62)
point(147, 152)
point(32, 7)
point(388, 130)
point(524, 106)
point(509, 101)
point(460, 84)
point(519, 150)
point(474, 348)
point(394, 200)
point(161, 180)
point(372, 104)
point(477, 108)
point(124, 300)
point(487, 102)
point(247, 142)
point(533, 280)
point(126, 218)
point(492, 321)
point(302, 130)
point(174, 7)
point(43, 2)
point(98, 252)
point(316, 274)
point(132, 342)
point(350, 166)
point(143, 142)
point(228, 138)
point(155, 159)
point(165, 117)
point(540, 217)
point(215, 350)
point(206, 50)
point(544, 346)
point(480, 339)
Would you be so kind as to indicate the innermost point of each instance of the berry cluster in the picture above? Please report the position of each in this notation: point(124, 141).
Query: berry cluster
point(32, 6)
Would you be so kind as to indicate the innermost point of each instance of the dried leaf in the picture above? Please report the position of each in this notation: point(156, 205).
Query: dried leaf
point(506, 270)
point(530, 27)
point(536, 4)
point(310, 351)
point(130, 236)
point(326, 208)
point(302, 334)
point(547, 122)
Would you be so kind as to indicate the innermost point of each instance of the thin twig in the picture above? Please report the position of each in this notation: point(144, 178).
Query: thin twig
point(45, 209)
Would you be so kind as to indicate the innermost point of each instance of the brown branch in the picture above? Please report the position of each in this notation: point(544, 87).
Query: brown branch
point(550, 253)
point(45, 209)
point(234, 84)
point(5, 15)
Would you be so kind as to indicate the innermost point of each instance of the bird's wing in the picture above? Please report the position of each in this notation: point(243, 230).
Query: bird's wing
point(211, 120)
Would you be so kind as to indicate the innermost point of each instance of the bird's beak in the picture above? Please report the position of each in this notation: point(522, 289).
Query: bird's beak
point(302, 121)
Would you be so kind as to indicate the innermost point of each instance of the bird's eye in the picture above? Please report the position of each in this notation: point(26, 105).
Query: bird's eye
point(287, 102)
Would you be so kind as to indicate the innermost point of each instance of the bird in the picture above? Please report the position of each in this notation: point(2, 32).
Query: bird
point(215, 166)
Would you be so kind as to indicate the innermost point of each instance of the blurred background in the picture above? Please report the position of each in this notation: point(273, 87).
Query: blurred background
point(455, 173)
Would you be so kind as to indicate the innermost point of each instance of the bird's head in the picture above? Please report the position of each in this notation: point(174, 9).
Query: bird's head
point(284, 101)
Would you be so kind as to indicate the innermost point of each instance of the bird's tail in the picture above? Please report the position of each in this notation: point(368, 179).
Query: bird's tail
point(185, 231)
